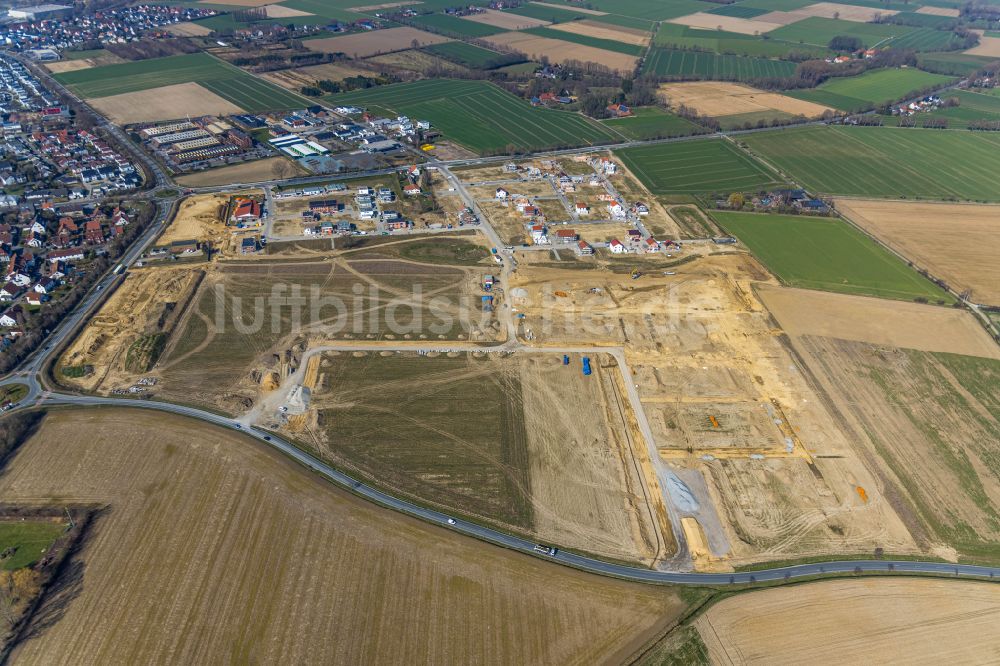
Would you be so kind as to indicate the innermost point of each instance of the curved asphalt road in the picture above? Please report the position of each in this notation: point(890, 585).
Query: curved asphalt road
point(525, 546)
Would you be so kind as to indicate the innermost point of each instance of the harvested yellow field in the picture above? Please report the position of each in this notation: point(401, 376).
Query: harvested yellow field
point(940, 11)
point(958, 243)
point(248, 172)
point(605, 31)
point(882, 322)
point(364, 44)
point(826, 10)
point(556, 50)
point(188, 29)
point(707, 21)
point(505, 20)
point(60, 66)
point(866, 621)
point(166, 103)
point(988, 46)
point(280, 11)
point(215, 549)
point(384, 5)
point(721, 98)
point(581, 10)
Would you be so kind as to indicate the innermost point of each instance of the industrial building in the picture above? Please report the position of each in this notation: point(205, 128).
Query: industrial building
point(38, 12)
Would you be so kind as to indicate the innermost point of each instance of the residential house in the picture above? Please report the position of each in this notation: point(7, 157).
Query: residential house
point(9, 291)
point(11, 317)
point(247, 211)
point(617, 247)
point(46, 285)
point(652, 245)
point(582, 209)
point(68, 254)
point(411, 190)
point(619, 110)
point(93, 233)
point(585, 248)
point(567, 236)
point(539, 234)
point(501, 194)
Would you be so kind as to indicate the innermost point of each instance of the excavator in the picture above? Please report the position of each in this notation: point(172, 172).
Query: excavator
point(636, 273)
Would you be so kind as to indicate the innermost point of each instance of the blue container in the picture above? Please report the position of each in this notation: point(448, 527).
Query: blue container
point(565, 359)
point(586, 366)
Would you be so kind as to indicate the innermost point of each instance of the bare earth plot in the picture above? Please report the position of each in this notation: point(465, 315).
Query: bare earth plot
point(505, 20)
point(878, 321)
point(295, 79)
point(558, 50)
point(827, 10)
point(988, 46)
point(188, 29)
point(605, 31)
point(279, 11)
point(720, 98)
point(701, 346)
point(940, 11)
point(214, 549)
point(906, 621)
point(954, 242)
point(364, 44)
point(531, 444)
point(579, 10)
point(166, 103)
point(728, 23)
point(247, 172)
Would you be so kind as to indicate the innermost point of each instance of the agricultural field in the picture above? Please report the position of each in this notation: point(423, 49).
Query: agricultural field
point(651, 122)
point(719, 99)
point(927, 422)
point(885, 162)
point(711, 165)
point(219, 78)
point(743, 26)
point(294, 79)
point(365, 44)
point(697, 64)
point(247, 172)
point(965, 239)
point(873, 620)
point(164, 103)
point(605, 32)
point(453, 25)
point(393, 419)
point(672, 35)
point(827, 254)
point(279, 565)
point(972, 106)
point(737, 11)
point(589, 40)
point(988, 46)
point(877, 321)
point(468, 55)
point(871, 89)
point(818, 31)
point(482, 117)
point(505, 20)
point(561, 49)
point(26, 541)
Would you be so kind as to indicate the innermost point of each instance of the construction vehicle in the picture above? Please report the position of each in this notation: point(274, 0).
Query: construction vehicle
point(636, 273)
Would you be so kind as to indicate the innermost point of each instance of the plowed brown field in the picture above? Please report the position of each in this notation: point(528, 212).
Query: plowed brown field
point(214, 549)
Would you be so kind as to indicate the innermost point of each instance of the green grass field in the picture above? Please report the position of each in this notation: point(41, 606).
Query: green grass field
point(956, 64)
point(702, 166)
point(671, 35)
point(653, 123)
point(606, 44)
point(871, 89)
point(886, 162)
point(819, 31)
point(29, 539)
point(972, 106)
point(828, 254)
point(481, 116)
point(695, 64)
point(231, 83)
point(468, 55)
point(453, 25)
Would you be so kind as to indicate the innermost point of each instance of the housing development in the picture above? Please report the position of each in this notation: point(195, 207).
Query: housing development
point(636, 332)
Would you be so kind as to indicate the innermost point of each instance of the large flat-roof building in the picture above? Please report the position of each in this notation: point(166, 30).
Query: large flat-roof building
point(38, 12)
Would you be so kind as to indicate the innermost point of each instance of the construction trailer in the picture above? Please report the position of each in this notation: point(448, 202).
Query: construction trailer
point(586, 366)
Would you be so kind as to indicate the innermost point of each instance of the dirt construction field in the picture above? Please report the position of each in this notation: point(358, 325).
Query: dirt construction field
point(957, 243)
point(701, 346)
point(214, 549)
point(867, 621)
point(294, 79)
point(878, 321)
point(605, 31)
point(149, 303)
point(189, 29)
point(166, 103)
point(560, 51)
point(719, 99)
point(393, 417)
point(364, 44)
point(199, 218)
